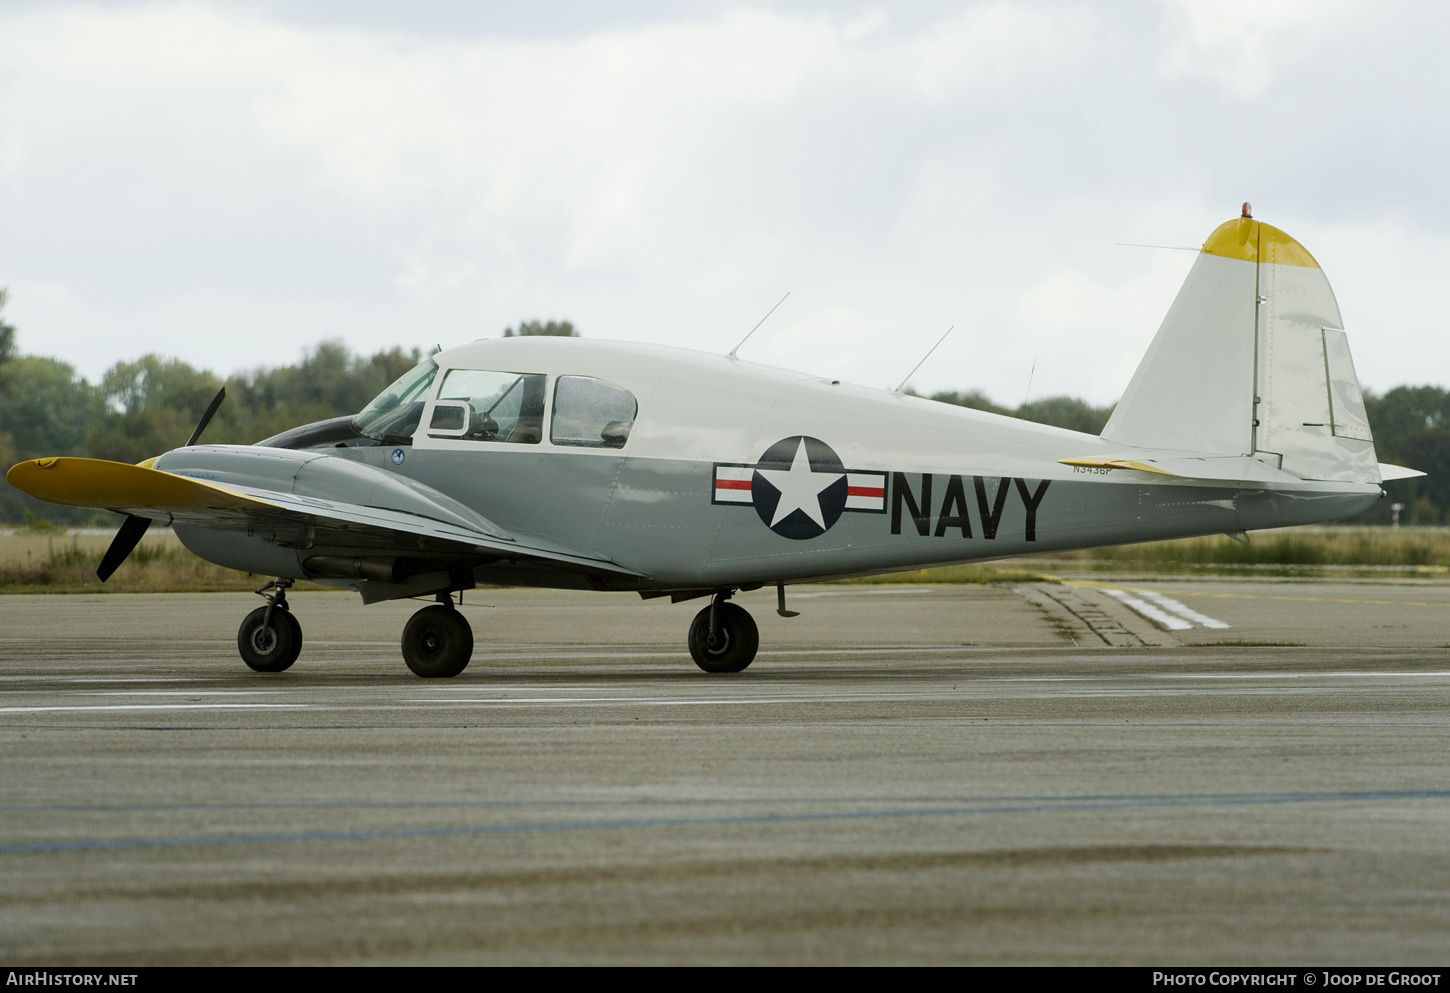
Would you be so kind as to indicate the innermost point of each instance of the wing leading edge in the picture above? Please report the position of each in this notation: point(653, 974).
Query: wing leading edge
point(426, 529)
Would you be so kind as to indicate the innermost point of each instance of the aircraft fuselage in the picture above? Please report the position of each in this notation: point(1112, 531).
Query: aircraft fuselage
point(735, 474)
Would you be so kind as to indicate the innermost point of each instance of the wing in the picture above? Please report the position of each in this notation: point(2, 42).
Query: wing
point(295, 500)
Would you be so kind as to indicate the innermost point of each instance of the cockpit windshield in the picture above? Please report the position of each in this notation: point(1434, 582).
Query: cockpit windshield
point(393, 415)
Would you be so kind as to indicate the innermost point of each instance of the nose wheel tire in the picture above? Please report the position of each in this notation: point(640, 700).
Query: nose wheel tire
point(437, 642)
point(269, 645)
point(734, 645)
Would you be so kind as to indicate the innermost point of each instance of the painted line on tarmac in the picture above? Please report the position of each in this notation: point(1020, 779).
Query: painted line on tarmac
point(181, 692)
point(1431, 674)
point(158, 706)
point(1159, 617)
point(1068, 806)
point(1182, 610)
point(648, 702)
point(470, 698)
point(1327, 599)
point(910, 590)
point(706, 801)
point(1164, 611)
point(1097, 584)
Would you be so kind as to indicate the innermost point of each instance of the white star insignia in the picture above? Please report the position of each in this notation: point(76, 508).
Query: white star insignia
point(800, 488)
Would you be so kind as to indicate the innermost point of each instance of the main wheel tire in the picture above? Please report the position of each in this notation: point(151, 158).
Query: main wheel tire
point(437, 642)
point(269, 646)
point(736, 639)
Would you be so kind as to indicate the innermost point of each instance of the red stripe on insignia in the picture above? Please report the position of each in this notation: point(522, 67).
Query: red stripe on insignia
point(738, 484)
point(866, 491)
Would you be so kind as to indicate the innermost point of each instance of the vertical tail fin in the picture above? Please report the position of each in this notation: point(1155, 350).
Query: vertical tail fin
point(1252, 359)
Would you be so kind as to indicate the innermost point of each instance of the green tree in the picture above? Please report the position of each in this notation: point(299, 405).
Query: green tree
point(1411, 427)
point(7, 332)
point(45, 409)
point(7, 352)
point(151, 406)
point(1061, 412)
point(975, 399)
point(390, 365)
point(553, 329)
point(1066, 412)
point(329, 382)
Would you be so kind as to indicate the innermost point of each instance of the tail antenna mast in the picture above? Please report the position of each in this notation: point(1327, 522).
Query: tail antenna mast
point(899, 389)
point(757, 326)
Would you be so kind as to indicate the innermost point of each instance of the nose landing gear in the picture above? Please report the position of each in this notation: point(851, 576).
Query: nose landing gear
point(270, 638)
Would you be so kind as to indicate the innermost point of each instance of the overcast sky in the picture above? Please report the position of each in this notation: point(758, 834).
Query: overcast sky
point(230, 183)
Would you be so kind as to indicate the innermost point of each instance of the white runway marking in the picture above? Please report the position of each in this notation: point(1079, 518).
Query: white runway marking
point(1182, 610)
point(1164, 611)
point(911, 591)
point(1160, 617)
point(180, 692)
point(159, 706)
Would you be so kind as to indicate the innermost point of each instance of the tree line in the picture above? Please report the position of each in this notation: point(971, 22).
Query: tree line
point(149, 406)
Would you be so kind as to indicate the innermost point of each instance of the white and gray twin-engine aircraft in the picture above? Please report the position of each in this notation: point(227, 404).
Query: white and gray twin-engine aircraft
point(607, 466)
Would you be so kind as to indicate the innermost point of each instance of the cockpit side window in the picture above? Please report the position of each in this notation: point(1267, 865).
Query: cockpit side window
point(480, 405)
point(590, 413)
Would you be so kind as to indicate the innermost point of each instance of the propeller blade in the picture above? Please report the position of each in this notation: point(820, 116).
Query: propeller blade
point(132, 529)
point(216, 402)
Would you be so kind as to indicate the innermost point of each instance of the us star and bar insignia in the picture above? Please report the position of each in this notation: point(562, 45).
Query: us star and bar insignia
point(799, 487)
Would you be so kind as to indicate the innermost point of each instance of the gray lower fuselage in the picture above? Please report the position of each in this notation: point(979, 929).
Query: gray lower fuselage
point(658, 517)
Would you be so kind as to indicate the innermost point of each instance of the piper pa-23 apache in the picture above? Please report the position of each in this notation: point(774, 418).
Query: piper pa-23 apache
point(576, 464)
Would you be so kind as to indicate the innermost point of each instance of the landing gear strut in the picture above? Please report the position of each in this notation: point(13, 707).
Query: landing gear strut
point(723, 637)
point(437, 641)
point(270, 638)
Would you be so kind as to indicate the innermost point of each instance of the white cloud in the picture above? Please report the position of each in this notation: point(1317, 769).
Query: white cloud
point(183, 174)
point(1245, 45)
point(988, 49)
point(1388, 275)
point(1090, 333)
point(833, 335)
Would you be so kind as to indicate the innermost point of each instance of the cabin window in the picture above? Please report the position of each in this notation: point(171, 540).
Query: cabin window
point(590, 413)
point(478, 405)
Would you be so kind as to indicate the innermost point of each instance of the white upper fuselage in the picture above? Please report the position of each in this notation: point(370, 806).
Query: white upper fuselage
point(710, 408)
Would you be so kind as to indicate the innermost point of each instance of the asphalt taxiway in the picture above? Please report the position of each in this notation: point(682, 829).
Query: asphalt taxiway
point(907, 774)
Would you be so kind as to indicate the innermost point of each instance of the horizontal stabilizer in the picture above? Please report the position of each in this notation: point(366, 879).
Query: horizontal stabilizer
point(1194, 465)
point(1101, 463)
point(1389, 472)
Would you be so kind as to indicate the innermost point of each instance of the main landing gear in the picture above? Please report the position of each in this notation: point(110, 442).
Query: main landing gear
point(723, 637)
point(437, 640)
